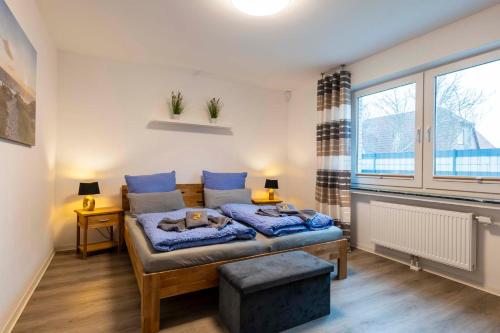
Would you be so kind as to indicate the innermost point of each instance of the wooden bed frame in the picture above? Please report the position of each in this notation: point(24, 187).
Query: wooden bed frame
point(155, 286)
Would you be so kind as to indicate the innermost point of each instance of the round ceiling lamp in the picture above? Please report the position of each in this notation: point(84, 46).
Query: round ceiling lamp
point(261, 7)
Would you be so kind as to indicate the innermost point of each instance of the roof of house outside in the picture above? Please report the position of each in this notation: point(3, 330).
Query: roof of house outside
point(395, 133)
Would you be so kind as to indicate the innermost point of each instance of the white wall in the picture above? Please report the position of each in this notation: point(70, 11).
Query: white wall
point(302, 118)
point(479, 32)
point(473, 34)
point(27, 176)
point(105, 109)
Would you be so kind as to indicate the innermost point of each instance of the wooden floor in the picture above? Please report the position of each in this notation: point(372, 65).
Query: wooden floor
point(100, 295)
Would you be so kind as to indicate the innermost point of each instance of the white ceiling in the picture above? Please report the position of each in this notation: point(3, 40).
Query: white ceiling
point(278, 52)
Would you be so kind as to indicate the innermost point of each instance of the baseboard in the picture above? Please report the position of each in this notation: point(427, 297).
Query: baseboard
point(428, 270)
point(13, 318)
point(65, 248)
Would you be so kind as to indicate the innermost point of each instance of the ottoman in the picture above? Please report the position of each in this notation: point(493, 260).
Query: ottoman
point(273, 293)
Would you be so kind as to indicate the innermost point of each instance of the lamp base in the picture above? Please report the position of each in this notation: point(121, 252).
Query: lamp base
point(271, 194)
point(88, 203)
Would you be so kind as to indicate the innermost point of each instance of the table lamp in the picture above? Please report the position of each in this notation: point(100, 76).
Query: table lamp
point(271, 185)
point(88, 189)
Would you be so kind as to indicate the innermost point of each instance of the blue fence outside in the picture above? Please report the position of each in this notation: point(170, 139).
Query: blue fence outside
point(471, 162)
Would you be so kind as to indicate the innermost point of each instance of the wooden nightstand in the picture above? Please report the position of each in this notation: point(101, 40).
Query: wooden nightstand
point(266, 201)
point(99, 218)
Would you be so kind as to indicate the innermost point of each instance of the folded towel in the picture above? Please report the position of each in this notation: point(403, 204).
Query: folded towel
point(286, 208)
point(197, 219)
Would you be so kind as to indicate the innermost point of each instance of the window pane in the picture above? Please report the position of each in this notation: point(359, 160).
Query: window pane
point(386, 131)
point(467, 121)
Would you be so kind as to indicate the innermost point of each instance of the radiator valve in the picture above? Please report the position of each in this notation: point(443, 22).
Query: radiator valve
point(484, 219)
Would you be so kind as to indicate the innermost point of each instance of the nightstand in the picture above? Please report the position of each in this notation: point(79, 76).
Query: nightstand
point(108, 218)
point(263, 202)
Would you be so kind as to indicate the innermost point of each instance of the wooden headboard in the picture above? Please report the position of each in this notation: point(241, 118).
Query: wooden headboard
point(192, 194)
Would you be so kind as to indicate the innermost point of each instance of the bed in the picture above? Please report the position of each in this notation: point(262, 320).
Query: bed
point(166, 274)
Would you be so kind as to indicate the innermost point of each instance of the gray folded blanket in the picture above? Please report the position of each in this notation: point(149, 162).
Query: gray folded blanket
point(196, 220)
point(304, 214)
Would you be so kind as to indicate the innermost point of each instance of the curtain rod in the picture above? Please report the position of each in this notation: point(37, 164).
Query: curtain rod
point(333, 70)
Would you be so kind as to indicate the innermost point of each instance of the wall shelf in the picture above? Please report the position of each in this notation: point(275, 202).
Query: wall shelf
point(166, 124)
point(193, 124)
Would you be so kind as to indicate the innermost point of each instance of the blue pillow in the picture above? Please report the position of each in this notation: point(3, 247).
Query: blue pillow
point(160, 182)
point(224, 181)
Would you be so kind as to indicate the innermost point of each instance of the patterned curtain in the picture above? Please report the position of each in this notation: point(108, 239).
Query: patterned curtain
point(333, 149)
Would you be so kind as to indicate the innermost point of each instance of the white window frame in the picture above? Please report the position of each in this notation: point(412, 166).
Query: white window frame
point(453, 183)
point(413, 181)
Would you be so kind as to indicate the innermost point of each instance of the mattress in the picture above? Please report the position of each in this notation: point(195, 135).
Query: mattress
point(154, 261)
point(300, 239)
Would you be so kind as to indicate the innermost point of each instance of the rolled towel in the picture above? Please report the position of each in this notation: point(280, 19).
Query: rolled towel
point(172, 225)
point(219, 222)
point(272, 212)
point(307, 214)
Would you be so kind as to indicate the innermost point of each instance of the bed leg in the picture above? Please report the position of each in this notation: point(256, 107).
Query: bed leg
point(342, 261)
point(150, 304)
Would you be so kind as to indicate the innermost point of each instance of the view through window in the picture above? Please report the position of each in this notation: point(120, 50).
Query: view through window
point(467, 118)
point(386, 131)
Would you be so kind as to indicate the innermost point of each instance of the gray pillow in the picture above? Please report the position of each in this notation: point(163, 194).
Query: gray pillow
point(156, 202)
point(217, 198)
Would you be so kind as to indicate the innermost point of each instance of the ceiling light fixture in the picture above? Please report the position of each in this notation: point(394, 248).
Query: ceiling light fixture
point(261, 7)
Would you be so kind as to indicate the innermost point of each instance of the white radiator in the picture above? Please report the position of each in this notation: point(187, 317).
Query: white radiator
point(439, 235)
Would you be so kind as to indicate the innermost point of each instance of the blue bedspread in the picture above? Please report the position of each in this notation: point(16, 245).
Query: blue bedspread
point(274, 226)
point(171, 240)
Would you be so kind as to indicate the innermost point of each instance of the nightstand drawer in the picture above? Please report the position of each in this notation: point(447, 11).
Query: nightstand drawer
point(100, 221)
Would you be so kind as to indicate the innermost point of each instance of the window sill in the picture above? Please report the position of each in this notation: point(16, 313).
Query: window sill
point(429, 197)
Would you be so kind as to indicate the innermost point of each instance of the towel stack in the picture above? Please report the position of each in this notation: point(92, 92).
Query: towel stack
point(194, 219)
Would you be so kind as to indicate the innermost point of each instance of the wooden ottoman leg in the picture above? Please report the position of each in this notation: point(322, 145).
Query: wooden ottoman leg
point(150, 304)
point(342, 261)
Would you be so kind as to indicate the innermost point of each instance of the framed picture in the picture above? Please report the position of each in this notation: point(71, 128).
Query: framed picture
point(17, 81)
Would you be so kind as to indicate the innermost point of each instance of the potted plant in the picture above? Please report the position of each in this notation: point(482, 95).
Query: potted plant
point(176, 105)
point(214, 106)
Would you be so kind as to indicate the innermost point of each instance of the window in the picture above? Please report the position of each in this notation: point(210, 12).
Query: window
point(462, 118)
point(387, 135)
point(459, 108)
point(387, 132)
point(467, 117)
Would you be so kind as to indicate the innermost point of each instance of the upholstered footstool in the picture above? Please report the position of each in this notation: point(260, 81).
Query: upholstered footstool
point(274, 293)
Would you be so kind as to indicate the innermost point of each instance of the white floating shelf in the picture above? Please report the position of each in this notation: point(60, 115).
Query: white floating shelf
point(193, 123)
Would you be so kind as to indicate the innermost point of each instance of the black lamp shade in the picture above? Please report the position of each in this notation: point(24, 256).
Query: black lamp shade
point(271, 183)
point(88, 188)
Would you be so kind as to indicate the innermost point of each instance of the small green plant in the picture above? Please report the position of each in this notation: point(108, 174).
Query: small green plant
point(214, 106)
point(176, 104)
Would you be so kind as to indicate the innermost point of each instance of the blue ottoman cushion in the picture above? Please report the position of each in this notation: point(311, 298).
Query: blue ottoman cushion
point(253, 275)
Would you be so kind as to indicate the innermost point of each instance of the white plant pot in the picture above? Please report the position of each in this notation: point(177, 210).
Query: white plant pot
point(212, 120)
point(175, 116)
